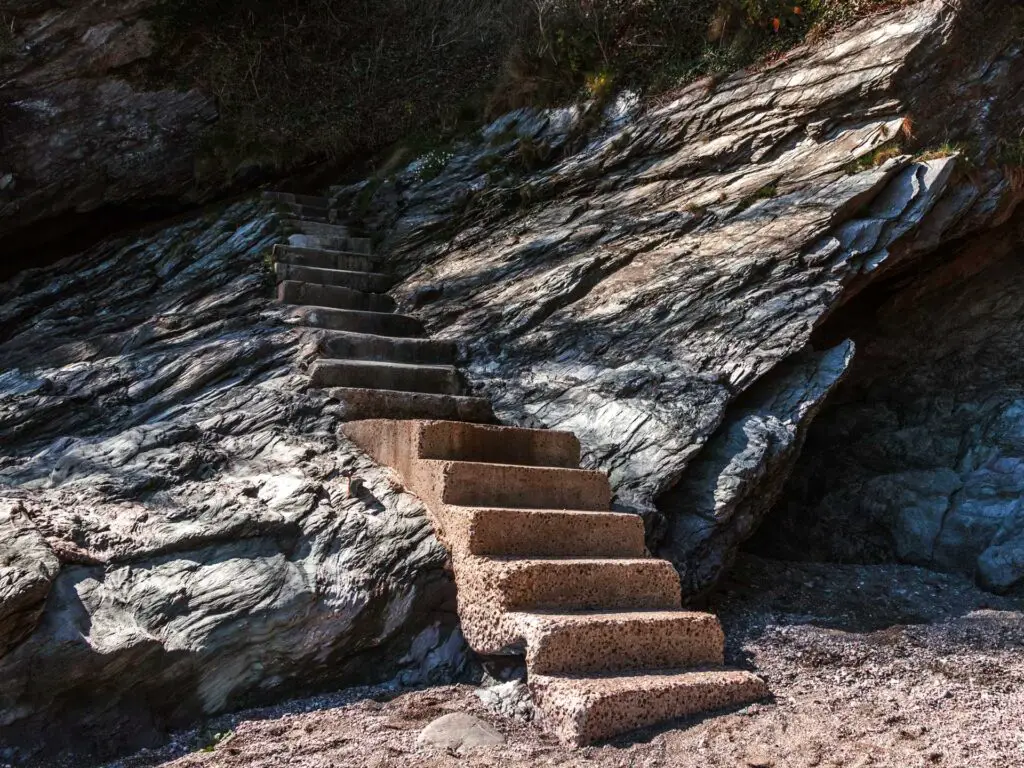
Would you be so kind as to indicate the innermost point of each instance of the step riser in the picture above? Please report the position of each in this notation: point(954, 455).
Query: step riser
point(383, 404)
point(574, 586)
point(522, 533)
point(380, 324)
point(291, 198)
point(502, 485)
point(372, 282)
point(311, 213)
point(389, 349)
point(353, 374)
point(322, 259)
point(328, 243)
point(618, 645)
point(294, 292)
point(537, 448)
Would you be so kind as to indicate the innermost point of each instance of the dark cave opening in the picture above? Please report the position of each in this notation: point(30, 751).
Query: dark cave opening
point(917, 457)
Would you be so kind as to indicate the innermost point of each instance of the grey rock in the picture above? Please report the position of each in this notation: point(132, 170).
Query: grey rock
point(459, 731)
point(177, 535)
point(511, 699)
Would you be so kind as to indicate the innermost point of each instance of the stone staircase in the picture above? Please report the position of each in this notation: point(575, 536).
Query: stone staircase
point(542, 566)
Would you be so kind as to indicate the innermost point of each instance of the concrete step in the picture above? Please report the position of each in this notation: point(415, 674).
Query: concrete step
point(582, 710)
point(368, 374)
point(581, 584)
point(593, 643)
point(377, 323)
point(315, 201)
point(500, 531)
point(308, 213)
point(497, 445)
point(295, 292)
point(321, 258)
point(478, 484)
point(305, 233)
point(373, 282)
point(390, 349)
point(387, 404)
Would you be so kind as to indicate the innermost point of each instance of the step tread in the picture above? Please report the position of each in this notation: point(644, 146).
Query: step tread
point(368, 404)
point(516, 446)
point(333, 252)
point(384, 364)
point(330, 272)
point(476, 484)
point(353, 345)
point(584, 709)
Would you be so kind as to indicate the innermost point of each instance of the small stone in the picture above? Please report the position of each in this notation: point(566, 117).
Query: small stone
point(460, 731)
point(757, 758)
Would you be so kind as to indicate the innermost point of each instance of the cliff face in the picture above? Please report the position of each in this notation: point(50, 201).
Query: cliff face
point(819, 252)
point(656, 289)
point(177, 533)
point(79, 132)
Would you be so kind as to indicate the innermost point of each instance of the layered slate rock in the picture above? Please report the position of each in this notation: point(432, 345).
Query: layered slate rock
point(656, 288)
point(179, 531)
point(607, 647)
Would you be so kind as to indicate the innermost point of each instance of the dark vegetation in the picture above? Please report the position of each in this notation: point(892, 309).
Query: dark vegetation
point(335, 80)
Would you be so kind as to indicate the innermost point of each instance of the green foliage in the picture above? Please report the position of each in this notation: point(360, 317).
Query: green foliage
point(433, 163)
point(876, 157)
point(946, 149)
point(1012, 153)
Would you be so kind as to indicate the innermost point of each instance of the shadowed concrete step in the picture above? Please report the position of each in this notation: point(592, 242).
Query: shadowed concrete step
point(582, 584)
point(295, 292)
point(378, 323)
point(581, 710)
point(371, 404)
point(477, 484)
point(390, 349)
point(322, 258)
point(307, 233)
point(496, 445)
point(546, 532)
point(593, 643)
point(374, 282)
point(368, 374)
point(316, 201)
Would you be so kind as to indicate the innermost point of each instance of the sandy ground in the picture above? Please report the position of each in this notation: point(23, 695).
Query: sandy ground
point(869, 666)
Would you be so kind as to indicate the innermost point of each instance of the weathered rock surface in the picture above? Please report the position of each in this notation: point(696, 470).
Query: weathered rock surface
point(655, 288)
point(79, 130)
point(920, 455)
point(177, 532)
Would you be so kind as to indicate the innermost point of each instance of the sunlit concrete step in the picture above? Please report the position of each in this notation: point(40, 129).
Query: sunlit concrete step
point(378, 323)
point(368, 374)
point(496, 445)
point(582, 710)
point(625, 641)
point(336, 296)
point(479, 484)
point(500, 531)
point(391, 349)
point(373, 282)
point(581, 584)
point(372, 404)
point(322, 258)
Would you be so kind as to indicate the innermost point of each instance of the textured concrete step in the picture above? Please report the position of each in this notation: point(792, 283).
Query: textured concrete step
point(378, 323)
point(499, 531)
point(497, 445)
point(295, 292)
point(315, 201)
point(390, 349)
point(308, 213)
point(582, 710)
point(581, 584)
point(593, 643)
point(373, 282)
point(322, 258)
point(369, 374)
point(373, 404)
point(478, 484)
point(305, 233)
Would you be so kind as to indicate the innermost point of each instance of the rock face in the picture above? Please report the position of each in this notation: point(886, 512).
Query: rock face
point(656, 287)
point(178, 535)
point(79, 132)
point(920, 455)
